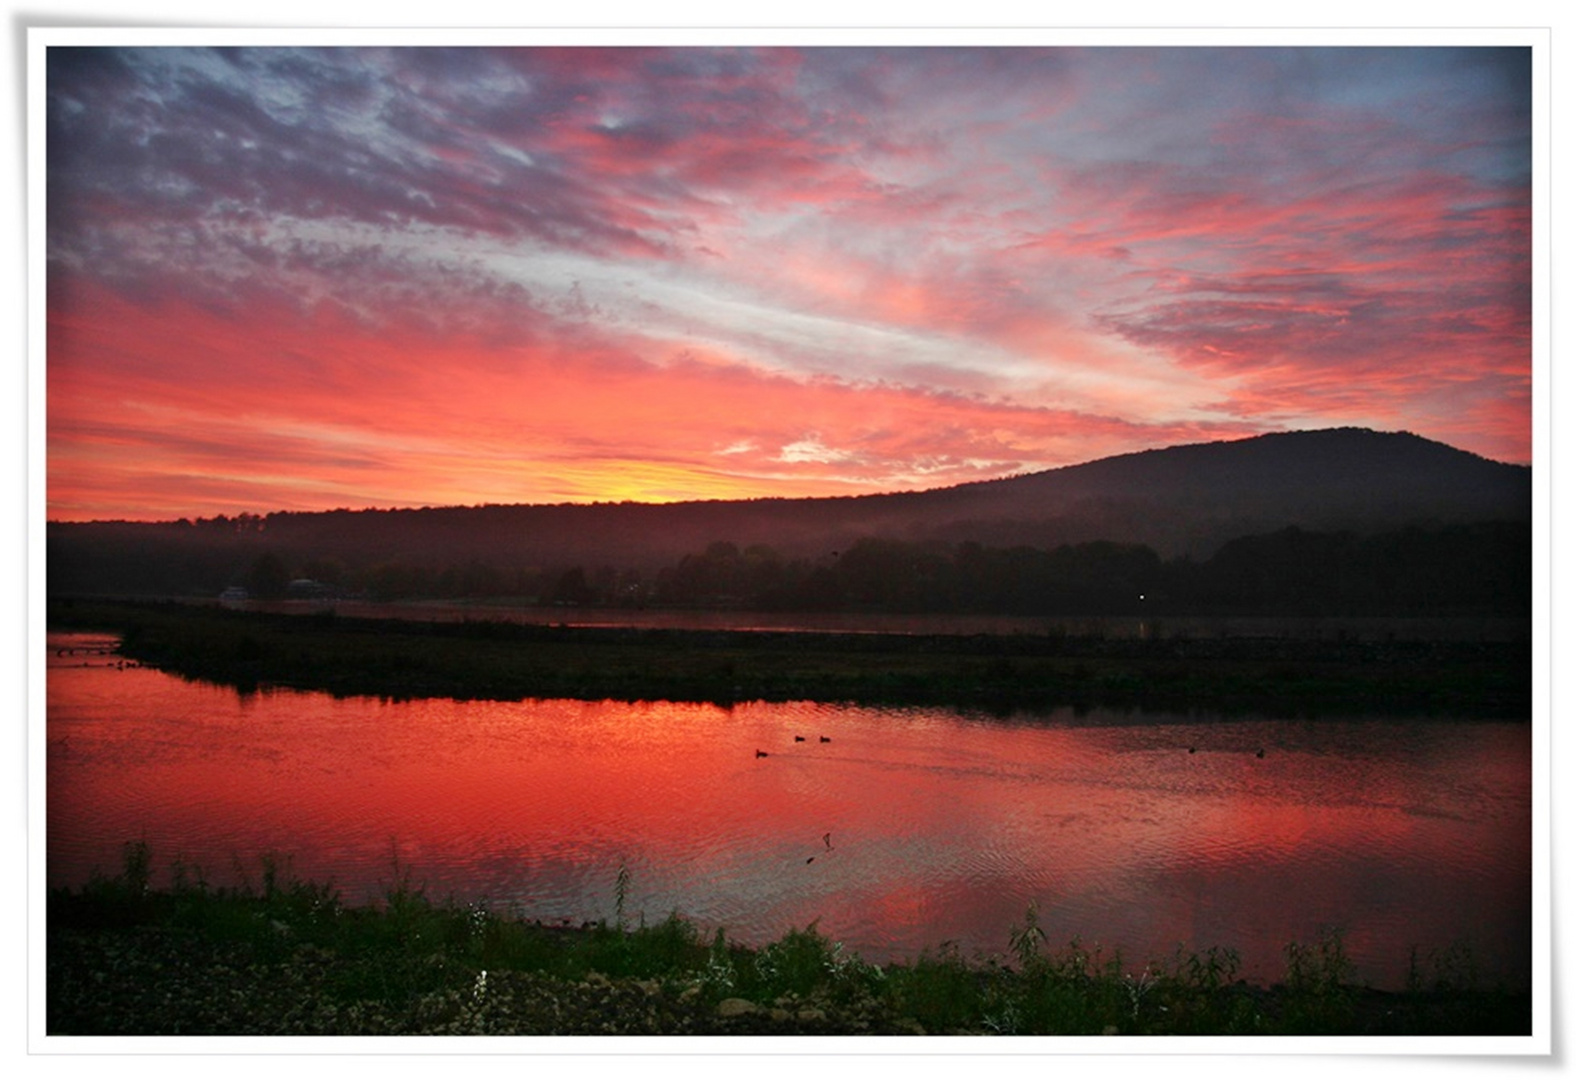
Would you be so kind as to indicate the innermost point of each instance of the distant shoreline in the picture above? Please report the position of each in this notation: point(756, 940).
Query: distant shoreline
point(1457, 628)
point(487, 657)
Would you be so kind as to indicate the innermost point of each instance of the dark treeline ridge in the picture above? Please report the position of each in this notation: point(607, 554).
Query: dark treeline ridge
point(1483, 568)
point(1343, 521)
point(497, 660)
point(1479, 568)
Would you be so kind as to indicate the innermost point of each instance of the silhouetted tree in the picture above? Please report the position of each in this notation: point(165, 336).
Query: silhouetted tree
point(572, 588)
point(268, 577)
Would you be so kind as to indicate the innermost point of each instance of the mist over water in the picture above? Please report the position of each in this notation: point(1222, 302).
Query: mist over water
point(895, 830)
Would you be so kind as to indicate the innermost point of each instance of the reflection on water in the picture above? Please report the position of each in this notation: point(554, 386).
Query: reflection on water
point(897, 829)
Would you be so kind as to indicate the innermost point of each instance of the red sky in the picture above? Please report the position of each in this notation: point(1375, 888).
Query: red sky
point(307, 279)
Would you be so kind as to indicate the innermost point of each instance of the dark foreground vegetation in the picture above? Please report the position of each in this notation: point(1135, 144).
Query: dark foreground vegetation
point(512, 661)
point(287, 958)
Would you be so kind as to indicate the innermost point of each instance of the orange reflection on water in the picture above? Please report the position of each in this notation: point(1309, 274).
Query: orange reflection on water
point(906, 829)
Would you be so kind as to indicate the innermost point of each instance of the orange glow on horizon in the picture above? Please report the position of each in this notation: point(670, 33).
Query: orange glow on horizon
point(310, 430)
point(665, 275)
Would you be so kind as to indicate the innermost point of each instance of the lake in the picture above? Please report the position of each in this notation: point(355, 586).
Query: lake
point(894, 830)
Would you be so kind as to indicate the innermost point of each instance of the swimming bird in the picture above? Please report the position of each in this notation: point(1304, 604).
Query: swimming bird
point(1192, 749)
point(760, 753)
point(1260, 753)
point(798, 738)
point(826, 738)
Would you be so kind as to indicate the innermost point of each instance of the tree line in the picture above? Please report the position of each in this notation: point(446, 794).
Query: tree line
point(1475, 568)
point(1483, 568)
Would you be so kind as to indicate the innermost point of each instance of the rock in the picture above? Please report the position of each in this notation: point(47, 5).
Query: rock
point(811, 1016)
point(780, 1016)
point(731, 1007)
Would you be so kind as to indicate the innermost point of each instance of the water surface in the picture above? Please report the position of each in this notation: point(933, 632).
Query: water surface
point(895, 830)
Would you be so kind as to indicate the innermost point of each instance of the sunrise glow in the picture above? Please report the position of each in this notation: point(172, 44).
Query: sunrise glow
point(301, 279)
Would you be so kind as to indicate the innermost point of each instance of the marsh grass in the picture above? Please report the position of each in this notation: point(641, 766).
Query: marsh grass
point(508, 661)
point(396, 957)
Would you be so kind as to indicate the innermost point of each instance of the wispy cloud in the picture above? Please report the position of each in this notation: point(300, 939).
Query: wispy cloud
point(417, 276)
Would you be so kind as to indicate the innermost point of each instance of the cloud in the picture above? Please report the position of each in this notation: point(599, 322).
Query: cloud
point(509, 274)
point(309, 407)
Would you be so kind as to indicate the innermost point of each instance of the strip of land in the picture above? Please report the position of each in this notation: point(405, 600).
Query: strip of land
point(289, 959)
point(482, 659)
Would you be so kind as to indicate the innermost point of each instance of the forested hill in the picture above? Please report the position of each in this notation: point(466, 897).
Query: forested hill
point(1181, 501)
point(1188, 500)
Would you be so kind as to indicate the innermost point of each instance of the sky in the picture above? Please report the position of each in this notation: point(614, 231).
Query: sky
point(303, 279)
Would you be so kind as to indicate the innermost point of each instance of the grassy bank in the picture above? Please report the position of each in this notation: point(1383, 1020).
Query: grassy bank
point(510, 661)
point(287, 958)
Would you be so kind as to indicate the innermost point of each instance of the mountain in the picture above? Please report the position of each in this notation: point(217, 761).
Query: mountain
point(1190, 499)
point(1183, 500)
